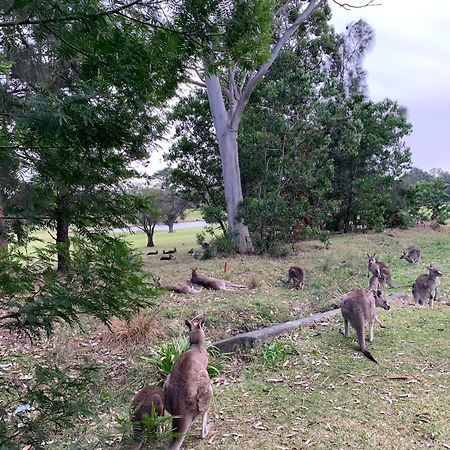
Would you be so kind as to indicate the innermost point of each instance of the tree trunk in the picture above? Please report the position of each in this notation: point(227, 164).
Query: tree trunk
point(62, 234)
point(149, 234)
point(62, 243)
point(170, 225)
point(228, 145)
point(3, 235)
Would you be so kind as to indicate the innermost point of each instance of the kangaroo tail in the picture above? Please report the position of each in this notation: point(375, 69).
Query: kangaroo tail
point(359, 327)
point(392, 285)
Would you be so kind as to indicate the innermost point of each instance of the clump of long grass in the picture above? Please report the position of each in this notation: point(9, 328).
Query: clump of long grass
point(136, 331)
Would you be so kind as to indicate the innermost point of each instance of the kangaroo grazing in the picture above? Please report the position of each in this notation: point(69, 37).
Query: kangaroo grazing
point(187, 390)
point(153, 253)
point(297, 276)
point(170, 252)
point(358, 308)
point(412, 255)
point(213, 283)
point(166, 258)
point(426, 286)
point(181, 288)
point(144, 400)
point(380, 270)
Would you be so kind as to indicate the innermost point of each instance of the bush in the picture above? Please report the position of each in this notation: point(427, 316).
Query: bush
point(166, 355)
point(405, 219)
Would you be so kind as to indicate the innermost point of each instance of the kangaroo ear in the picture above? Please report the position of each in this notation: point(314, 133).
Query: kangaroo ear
point(201, 323)
point(188, 324)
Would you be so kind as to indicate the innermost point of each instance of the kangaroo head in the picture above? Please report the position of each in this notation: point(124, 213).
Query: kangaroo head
point(371, 259)
point(157, 281)
point(403, 256)
point(196, 330)
point(432, 271)
point(380, 301)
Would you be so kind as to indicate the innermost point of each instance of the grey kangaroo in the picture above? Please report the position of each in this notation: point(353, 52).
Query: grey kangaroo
point(213, 283)
point(358, 308)
point(380, 270)
point(412, 255)
point(144, 400)
point(187, 390)
point(181, 288)
point(426, 286)
point(297, 275)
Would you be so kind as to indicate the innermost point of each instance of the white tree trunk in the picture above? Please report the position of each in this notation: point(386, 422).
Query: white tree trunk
point(227, 140)
point(226, 124)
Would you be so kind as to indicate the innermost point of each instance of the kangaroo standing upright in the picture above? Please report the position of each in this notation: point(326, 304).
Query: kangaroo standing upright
point(380, 270)
point(358, 308)
point(187, 390)
point(144, 400)
point(297, 275)
point(426, 286)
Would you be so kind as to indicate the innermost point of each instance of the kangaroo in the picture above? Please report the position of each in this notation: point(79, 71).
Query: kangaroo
point(181, 288)
point(374, 286)
point(153, 253)
point(412, 255)
point(170, 252)
point(358, 308)
point(297, 276)
point(426, 286)
point(187, 390)
point(166, 258)
point(213, 283)
point(380, 270)
point(144, 400)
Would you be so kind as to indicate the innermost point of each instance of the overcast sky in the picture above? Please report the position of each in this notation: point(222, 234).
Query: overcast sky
point(410, 63)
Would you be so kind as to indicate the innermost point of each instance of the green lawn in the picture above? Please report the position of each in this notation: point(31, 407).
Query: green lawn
point(309, 389)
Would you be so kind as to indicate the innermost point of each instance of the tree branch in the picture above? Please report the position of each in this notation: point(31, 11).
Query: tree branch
point(256, 78)
point(348, 6)
point(197, 83)
point(13, 23)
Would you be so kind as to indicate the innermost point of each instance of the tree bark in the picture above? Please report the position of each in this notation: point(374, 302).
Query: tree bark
point(228, 145)
point(170, 225)
point(62, 234)
point(62, 244)
point(3, 235)
point(149, 234)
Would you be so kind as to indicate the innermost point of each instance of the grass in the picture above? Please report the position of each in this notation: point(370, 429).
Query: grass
point(330, 396)
point(309, 389)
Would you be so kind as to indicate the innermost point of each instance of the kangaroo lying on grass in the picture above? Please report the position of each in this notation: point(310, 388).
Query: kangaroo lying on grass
point(411, 255)
point(187, 390)
point(426, 286)
point(380, 270)
point(144, 400)
point(297, 275)
point(358, 308)
point(181, 288)
point(214, 283)
point(166, 258)
point(170, 252)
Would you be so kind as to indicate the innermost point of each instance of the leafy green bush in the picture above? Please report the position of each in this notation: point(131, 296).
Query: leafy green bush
point(166, 355)
point(105, 279)
point(47, 401)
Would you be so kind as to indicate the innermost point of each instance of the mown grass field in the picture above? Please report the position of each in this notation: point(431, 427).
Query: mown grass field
point(309, 389)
